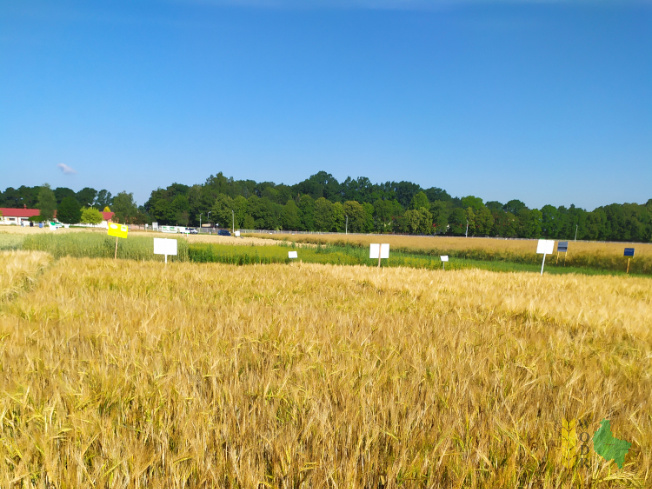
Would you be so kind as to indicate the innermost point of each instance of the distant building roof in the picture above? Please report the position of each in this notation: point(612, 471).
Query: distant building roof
point(9, 212)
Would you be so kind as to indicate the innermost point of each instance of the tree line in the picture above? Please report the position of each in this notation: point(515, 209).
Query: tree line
point(321, 203)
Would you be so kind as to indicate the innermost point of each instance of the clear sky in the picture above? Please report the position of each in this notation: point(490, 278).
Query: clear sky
point(549, 102)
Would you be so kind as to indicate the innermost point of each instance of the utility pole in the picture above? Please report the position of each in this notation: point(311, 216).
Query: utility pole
point(466, 235)
point(346, 229)
point(209, 220)
point(233, 216)
point(576, 231)
point(200, 221)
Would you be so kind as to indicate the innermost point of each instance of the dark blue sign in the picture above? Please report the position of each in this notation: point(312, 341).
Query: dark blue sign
point(629, 251)
point(562, 246)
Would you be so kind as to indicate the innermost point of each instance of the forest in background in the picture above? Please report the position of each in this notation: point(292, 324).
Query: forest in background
point(321, 203)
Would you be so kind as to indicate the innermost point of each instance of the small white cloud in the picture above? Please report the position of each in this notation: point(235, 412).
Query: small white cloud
point(66, 169)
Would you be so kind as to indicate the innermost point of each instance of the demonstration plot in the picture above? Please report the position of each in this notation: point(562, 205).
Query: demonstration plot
point(146, 374)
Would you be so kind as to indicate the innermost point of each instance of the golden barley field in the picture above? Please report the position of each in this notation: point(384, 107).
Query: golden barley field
point(125, 374)
point(599, 254)
point(461, 243)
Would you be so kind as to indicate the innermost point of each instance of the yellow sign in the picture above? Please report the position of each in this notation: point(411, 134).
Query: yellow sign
point(118, 230)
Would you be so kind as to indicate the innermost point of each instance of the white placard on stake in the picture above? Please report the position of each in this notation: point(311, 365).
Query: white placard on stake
point(375, 248)
point(165, 246)
point(384, 250)
point(379, 251)
point(545, 247)
point(237, 234)
point(444, 258)
point(292, 254)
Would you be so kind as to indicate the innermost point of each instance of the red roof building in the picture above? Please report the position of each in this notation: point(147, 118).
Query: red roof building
point(16, 216)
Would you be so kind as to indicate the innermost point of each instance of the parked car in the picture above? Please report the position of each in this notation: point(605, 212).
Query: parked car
point(224, 232)
point(192, 231)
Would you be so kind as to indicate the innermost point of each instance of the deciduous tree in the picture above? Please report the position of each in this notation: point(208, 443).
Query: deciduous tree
point(47, 203)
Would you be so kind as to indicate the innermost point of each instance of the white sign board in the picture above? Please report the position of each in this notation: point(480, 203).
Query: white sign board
point(292, 254)
point(375, 249)
point(237, 234)
point(545, 246)
point(164, 246)
point(444, 258)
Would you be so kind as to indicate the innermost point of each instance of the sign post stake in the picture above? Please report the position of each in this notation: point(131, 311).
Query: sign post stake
point(545, 247)
point(165, 247)
point(119, 231)
point(381, 249)
point(629, 253)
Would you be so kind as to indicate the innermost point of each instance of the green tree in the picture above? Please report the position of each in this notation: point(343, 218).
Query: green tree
point(417, 221)
point(494, 206)
point(457, 221)
point(124, 207)
point(221, 211)
point(484, 222)
point(435, 193)
point(290, 218)
point(69, 211)
point(550, 222)
point(338, 217)
point(104, 199)
point(420, 201)
point(529, 223)
point(514, 206)
point(404, 191)
point(385, 214)
point(86, 196)
point(181, 209)
point(470, 217)
point(240, 209)
point(473, 202)
point(505, 224)
point(47, 203)
point(266, 214)
point(307, 212)
point(90, 215)
point(357, 216)
point(440, 211)
point(61, 193)
point(323, 214)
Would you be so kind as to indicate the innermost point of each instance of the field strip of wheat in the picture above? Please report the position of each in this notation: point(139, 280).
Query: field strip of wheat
point(19, 269)
point(460, 243)
point(133, 374)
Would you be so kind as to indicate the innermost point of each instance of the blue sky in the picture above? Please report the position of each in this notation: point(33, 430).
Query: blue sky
point(542, 101)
